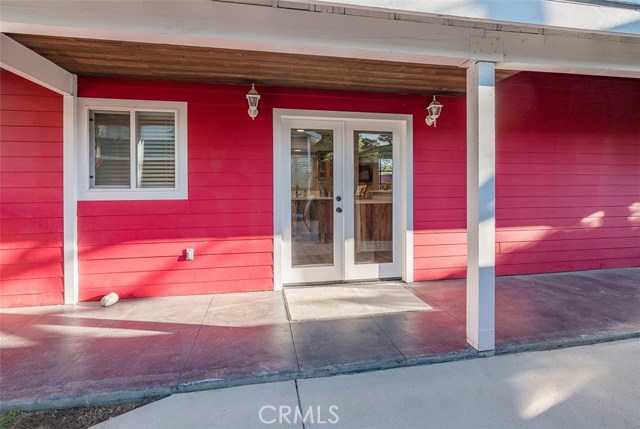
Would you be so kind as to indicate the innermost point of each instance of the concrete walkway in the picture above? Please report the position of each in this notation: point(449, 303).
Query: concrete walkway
point(588, 387)
point(64, 356)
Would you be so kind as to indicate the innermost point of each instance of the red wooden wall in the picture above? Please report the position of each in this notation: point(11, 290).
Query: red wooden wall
point(568, 187)
point(31, 226)
point(135, 248)
point(440, 194)
point(568, 173)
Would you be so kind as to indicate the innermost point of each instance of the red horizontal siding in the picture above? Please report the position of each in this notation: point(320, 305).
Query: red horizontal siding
point(27, 118)
point(28, 133)
point(107, 223)
point(560, 266)
point(570, 244)
point(39, 164)
point(566, 182)
point(533, 155)
point(97, 238)
point(437, 250)
point(451, 272)
point(436, 179)
point(31, 210)
point(14, 270)
point(32, 103)
point(133, 279)
point(139, 208)
point(550, 212)
point(30, 241)
point(31, 255)
point(506, 189)
point(240, 152)
point(533, 233)
point(440, 195)
point(30, 149)
point(31, 179)
point(96, 292)
point(31, 226)
point(441, 238)
point(218, 192)
point(135, 248)
point(176, 263)
point(565, 189)
point(146, 250)
point(558, 222)
point(240, 178)
point(224, 166)
point(453, 263)
point(560, 184)
point(575, 179)
point(46, 286)
point(30, 299)
point(33, 195)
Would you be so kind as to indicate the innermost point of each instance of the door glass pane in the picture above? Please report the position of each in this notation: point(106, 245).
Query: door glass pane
point(111, 150)
point(311, 197)
point(373, 211)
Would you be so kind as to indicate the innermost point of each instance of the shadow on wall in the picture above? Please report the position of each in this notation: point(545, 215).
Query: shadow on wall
point(567, 184)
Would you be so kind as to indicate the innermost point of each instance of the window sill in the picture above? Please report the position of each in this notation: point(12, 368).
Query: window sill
point(132, 195)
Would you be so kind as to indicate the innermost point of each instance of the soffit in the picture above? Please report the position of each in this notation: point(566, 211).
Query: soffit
point(122, 59)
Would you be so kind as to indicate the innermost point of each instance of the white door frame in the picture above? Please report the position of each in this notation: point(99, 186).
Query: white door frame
point(405, 175)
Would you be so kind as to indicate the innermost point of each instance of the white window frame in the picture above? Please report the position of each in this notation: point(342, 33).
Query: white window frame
point(86, 192)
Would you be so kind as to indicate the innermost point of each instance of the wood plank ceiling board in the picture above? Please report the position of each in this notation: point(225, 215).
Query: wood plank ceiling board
point(110, 58)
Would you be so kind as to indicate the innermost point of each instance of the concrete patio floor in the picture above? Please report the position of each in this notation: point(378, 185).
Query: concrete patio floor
point(587, 387)
point(62, 356)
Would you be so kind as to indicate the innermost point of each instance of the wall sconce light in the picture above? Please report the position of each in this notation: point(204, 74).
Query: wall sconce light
point(252, 98)
point(434, 110)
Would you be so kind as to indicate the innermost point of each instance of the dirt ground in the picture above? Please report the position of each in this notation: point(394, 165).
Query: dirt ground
point(72, 418)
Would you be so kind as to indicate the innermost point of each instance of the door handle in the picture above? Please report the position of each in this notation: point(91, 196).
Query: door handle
point(339, 210)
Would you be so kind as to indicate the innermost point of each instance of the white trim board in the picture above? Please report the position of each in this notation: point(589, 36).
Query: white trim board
point(26, 63)
point(604, 18)
point(214, 24)
point(70, 204)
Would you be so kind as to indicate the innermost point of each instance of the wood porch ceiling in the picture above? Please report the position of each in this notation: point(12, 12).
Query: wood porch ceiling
point(109, 58)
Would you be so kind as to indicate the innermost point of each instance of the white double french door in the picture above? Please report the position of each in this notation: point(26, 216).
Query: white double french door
point(340, 197)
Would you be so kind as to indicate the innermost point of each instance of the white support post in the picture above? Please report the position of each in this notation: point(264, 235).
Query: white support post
point(70, 200)
point(481, 194)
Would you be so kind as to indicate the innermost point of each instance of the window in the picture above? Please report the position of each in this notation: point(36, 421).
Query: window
point(385, 172)
point(132, 150)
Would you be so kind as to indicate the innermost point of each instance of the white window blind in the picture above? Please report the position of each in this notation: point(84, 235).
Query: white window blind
point(111, 150)
point(156, 149)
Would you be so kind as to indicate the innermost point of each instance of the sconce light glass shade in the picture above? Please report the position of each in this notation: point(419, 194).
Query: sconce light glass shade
point(253, 98)
point(433, 110)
